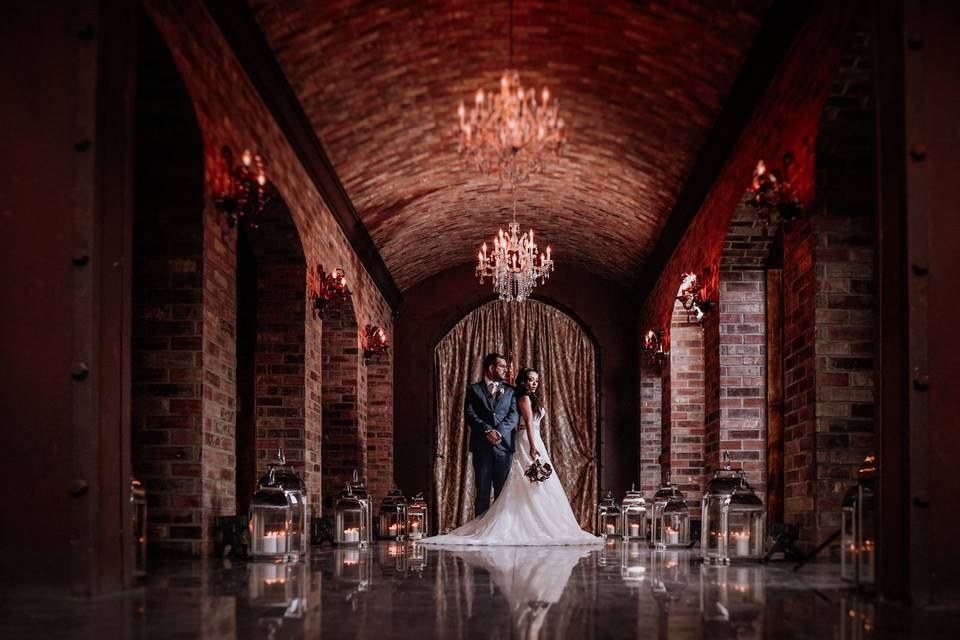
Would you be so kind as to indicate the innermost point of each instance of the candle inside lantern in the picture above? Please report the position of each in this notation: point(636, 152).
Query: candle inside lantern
point(351, 535)
point(392, 529)
point(866, 561)
point(634, 530)
point(743, 543)
point(270, 542)
point(611, 529)
point(673, 536)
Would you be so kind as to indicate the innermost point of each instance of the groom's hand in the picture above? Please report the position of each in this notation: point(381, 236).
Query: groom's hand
point(493, 436)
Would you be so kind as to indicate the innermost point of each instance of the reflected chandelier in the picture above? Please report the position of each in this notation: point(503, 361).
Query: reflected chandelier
point(509, 133)
point(513, 263)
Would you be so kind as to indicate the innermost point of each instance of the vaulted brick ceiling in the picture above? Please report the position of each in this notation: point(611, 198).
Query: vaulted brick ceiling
point(639, 84)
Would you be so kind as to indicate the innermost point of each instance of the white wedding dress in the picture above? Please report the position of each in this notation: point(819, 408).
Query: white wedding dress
point(526, 513)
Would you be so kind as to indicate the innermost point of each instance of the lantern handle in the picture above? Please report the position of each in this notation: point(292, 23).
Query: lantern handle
point(726, 461)
point(282, 459)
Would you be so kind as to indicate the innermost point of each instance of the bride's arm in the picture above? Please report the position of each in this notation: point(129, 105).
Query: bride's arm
point(526, 411)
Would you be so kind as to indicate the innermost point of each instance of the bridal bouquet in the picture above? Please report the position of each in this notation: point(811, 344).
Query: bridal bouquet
point(538, 471)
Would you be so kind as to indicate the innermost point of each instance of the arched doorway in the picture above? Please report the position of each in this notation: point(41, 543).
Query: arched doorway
point(548, 339)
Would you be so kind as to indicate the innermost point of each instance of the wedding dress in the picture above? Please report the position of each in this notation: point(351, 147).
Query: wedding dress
point(526, 513)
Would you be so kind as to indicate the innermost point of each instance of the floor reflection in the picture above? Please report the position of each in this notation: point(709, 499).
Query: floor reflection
point(404, 590)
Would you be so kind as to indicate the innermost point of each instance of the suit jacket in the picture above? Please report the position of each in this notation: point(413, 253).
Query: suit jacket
point(481, 413)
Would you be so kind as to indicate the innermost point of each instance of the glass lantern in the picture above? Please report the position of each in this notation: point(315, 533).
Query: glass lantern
point(416, 558)
point(670, 575)
point(353, 568)
point(138, 498)
point(634, 515)
point(857, 542)
point(295, 489)
point(352, 518)
point(417, 518)
point(277, 515)
point(608, 517)
point(733, 518)
point(392, 519)
point(671, 520)
point(660, 499)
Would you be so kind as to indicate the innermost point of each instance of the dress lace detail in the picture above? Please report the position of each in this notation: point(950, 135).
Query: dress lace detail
point(526, 513)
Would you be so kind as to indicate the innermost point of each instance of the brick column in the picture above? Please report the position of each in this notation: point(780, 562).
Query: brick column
point(344, 401)
point(734, 339)
point(651, 407)
point(683, 458)
point(380, 426)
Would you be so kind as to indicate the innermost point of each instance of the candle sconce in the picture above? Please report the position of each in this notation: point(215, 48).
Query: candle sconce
point(653, 348)
point(693, 298)
point(374, 342)
point(772, 194)
point(242, 190)
point(327, 290)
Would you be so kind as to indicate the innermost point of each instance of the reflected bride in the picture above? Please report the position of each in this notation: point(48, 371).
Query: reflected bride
point(531, 579)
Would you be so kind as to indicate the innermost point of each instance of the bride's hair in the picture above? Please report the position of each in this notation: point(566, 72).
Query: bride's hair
point(522, 390)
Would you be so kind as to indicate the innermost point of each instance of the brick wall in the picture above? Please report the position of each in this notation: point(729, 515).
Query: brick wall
point(651, 407)
point(684, 457)
point(844, 268)
point(167, 331)
point(344, 444)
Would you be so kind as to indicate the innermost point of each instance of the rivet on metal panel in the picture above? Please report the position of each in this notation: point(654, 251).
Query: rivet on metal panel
point(78, 487)
point(79, 371)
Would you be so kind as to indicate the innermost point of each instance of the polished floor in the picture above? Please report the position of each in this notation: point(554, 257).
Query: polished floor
point(401, 590)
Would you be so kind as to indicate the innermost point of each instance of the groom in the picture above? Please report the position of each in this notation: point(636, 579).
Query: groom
point(491, 414)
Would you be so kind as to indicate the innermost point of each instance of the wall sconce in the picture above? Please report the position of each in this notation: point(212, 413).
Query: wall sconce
point(374, 342)
point(692, 297)
point(243, 190)
point(653, 347)
point(771, 193)
point(327, 290)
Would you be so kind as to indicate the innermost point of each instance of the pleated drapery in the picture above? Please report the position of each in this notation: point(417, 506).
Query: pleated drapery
point(541, 336)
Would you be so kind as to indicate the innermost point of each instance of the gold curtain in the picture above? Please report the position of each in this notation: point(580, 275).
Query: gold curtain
point(554, 344)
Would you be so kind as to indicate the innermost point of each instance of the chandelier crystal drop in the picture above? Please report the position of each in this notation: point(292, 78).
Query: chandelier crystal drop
point(510, 133)
point(514, 264)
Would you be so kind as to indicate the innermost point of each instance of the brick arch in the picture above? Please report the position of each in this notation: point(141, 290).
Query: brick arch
point(168, 449)
point(682, 409)
point(344, 398)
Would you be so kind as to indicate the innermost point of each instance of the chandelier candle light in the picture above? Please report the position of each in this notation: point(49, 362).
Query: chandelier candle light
point(513, 264)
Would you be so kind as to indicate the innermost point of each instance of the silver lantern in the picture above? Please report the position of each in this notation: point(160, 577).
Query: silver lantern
point(278, 515)
point(392, 518)
point(733, 518)
point(608, 517)
point(352, 518)
point(671, 519)
point(418, 522)
point(633, 524)
point(858, 538)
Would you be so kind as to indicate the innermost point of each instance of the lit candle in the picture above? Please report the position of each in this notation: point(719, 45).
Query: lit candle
point(351, 535)
point(866, 562)
point(415, 529)
point(673, 536)
point(611, 529)
point(270, 543)
point(743, 543)
point(634, 530)
point(281, 538)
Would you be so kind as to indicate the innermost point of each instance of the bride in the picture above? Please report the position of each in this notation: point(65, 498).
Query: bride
point(525, 513)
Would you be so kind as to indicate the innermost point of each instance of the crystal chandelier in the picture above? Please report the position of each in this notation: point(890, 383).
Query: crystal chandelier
point(509, 133)
point(514, 265)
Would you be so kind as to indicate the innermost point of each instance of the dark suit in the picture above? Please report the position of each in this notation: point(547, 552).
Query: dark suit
point(491, 463)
